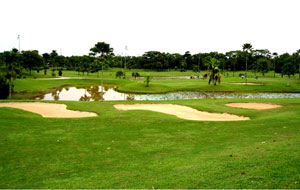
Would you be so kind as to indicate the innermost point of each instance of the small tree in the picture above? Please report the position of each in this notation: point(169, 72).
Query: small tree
point(135, 75)
point(45, 70)
point(147, 80)
point(214, 76)
point(60, 72)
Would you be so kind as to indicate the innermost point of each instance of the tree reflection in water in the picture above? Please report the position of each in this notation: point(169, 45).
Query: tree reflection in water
point(55, 94)
point(95, 93)
point(85, 97)
point(88, 93)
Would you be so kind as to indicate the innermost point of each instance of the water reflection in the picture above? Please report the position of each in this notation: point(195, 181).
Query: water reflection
point(89, 93)
point(94, 93)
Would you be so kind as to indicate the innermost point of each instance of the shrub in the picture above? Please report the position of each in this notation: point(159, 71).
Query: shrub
point(53, 73)
point(60, 72)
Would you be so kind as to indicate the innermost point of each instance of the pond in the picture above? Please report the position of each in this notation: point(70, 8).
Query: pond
point(94, 93)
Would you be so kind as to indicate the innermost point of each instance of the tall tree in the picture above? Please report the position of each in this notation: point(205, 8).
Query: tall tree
point(280, 61)
point(53, 56)
point(102, 50)
point(232, 59)
point(46, 57)
point(13, 68)
point(247, 48)
point(263, 65)
point(31, 59)
point(288, 69)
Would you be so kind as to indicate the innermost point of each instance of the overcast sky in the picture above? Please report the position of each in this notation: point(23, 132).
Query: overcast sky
point(74, 26)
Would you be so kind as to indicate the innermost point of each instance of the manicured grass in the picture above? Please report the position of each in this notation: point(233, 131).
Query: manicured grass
point(29, 87)
point(160, 86)
point(143, 149)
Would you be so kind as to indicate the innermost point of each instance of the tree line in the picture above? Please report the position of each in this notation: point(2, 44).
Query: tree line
point(101, 57)
point(258, 60)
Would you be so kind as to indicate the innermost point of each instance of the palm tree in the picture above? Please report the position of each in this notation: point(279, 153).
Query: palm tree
point(147, 80)
point(214, 72)
point(12, 62)
point(103, 50)
point(247, 48)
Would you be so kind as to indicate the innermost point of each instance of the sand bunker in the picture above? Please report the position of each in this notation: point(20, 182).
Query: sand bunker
point(248, 83)
point(62, 78)
point(256, 106)
point(48, 109)
point(182, 112)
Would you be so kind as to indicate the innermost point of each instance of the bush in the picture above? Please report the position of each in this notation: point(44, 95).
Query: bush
point(4, 88)
point(119, 74)
point(60, 72)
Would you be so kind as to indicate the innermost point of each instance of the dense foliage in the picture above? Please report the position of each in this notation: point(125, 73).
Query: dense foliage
point(4, 88)
point(257, 60)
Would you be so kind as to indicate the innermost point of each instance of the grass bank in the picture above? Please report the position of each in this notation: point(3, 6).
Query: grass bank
point(143, 149)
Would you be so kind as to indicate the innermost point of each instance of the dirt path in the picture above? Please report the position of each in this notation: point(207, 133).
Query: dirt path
point(182, 112)
point(256, 106)
point(48, 109)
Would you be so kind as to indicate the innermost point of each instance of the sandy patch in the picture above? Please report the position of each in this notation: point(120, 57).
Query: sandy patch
point(248, 83)
point(182, 112)
point(256, 106)
point(48, 109)
point(62, 78)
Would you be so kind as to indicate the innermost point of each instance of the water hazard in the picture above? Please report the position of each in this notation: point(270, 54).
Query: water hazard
point(109, 93)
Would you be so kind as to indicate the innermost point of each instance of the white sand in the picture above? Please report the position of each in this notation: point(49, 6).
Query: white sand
point(182, 112)
point(48, 109)
point(256, 106)
point(248, 83)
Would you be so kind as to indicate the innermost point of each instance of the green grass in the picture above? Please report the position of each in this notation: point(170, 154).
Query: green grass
point(30, 87)
point(143, 149)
